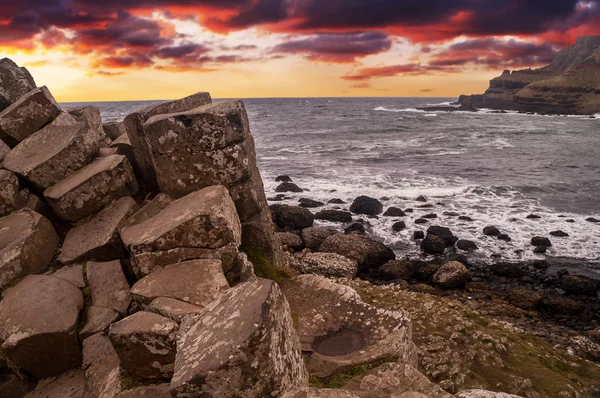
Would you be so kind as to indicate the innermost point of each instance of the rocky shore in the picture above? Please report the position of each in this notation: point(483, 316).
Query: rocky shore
point(141, 259)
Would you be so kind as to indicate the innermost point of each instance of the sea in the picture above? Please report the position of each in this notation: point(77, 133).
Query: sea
point(496, 168)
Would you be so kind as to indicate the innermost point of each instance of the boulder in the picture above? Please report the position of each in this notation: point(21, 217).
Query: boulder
point(38, 335)
point(206, 219)
point(288, 187)
point(154, 391)
point(452, 275)
point(394, 212)
point(397, 270)
point(98, 320)
point(491, 231)
point(523, 298)
point(444, 233)
point(291, 240)
point(467, 245)
point(9, 189)
point(246, 338)
point(51, 154)
point(181, 105)
point(70, 384)
point(540, 241)
point(366, 205)
point(433, 244)
point(334, 216)
point(90, 115)
point(72, 274)
point(145, 344)
point(173, 308)
point(291, 217)
point(15, 82)
point(330, 265)
point(108, 285)
point(102, 368)
point(98, 239)
point(27, 243)
point(313, 237)
point(309, 203)
point(27, 115)
point(88, 190)
point(559, 234)
point(197, 282)
point(114, 130)
point(341, 331)
point(368, 253)
point(399, 226)
point(579, 285)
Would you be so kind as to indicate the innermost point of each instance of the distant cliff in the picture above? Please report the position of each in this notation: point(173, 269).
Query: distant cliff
point(570, 84)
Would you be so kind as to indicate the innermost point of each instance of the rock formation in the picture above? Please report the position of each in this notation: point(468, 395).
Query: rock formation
point(570, 84)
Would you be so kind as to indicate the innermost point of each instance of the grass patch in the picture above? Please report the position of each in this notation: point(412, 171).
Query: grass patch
point(264, 268)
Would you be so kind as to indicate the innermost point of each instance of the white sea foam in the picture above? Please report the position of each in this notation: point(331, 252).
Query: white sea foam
point(430, 115)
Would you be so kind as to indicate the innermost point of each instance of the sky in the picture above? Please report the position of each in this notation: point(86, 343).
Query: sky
point(107, 50)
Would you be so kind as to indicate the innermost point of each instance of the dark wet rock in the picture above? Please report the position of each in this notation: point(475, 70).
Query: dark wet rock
point(570, 221)
point(145, 344)
point(334, 216)
point(421, 199)
point(539, 241)
point(452, 275)
point(451, 214)
point(418, 235)
point(366, 205)
point(394, 212)
point(559, 233)
point(430, 216)
point(426, 206)
point(397, 270)
point(562, 305)
point(433, 244)
point(444, 233)
point(466, 245)
point(409, 210)
point(250, 331)
point(291, 217)
point(313, 237)
point(151, 391)
point(421, 221)
point(510, 270)
point(336, 201)
point(491, 231)
point(541, 264)
point(399, 226)
point(16, 82)
point(288, 187)
point(355, 227)
point(39, 336)
point(533, 217)
point(540, 250)
point(283, 178)
point(329, 265)
point(291, 241)
point(592, 219)
point(504, 237)
point(309, 203)
point(108, 285)
point(523, 298)
point(465, 218)
point(579, 285)
point(369, 254)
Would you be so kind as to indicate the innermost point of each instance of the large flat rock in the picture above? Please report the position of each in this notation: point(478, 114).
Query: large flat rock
point(145, 344)
point(242, 344)
point(27, 243)
point(99, 239)
point(38, 325)
point(102, 368)
point(198, 282)
point(341, 331)
point(9, 188)
point(51, 154)
point(27, 115)
point(202, 219)
point(89, 189)
point(108, 285)
point(15, 82)
point(70, 384)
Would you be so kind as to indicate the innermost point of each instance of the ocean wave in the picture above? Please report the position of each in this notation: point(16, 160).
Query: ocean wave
point(383, 109)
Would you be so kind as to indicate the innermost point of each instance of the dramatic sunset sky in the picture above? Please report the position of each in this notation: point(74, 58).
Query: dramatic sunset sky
point(101, 50)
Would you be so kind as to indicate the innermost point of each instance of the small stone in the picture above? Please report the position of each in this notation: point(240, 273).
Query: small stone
point(283, 178)
point(309, 203)
point(524, 299)
point(430, 216)
point(336, 201)
point(418, 235)
point(433, 244)
point(399, 226)
point(444, 233)
point(420, 221)
point(466, 245)
point(288, 187)
point(592, 219)
point(334, 216)
point(491, 231)
point(355, 228)
point(580, 285)
point(504, 237)
point(452, 275)
point(394, 212)
point(465, 218)
point(559, 233)
point(539, 241)
point(421, 199)
point(533, 217)
point(90, 115)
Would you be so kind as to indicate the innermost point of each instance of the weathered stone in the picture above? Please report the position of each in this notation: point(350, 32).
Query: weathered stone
point(197, 282)
point(91, 116)
point(51, 154)
point(145, 344)
point(38, 335)
point(148, 210)
point(366, 205)
point(114, 130)
point(203, 219)
point(181, 105)
point(4, 150)
point(330, 265)
point(314, 237)
point(9, 188)
point(341, 331)
point(476, 393)
point(242, 344)
point(155, 391)
point(334, 215)
point(15, 82)
point(89, 189)
point(98, 320)
point(433, 244)
point(98, 239)
point(397, 269)
point(172, 308)
point(291, 241)
point(452, 275)
point(72, 274)
point(70, 384)
point(291, 217)
point(108, 285)
point(102, 368)
point(27, 199)
point(27, 243)
point(366, 252)
point(27, 115)
point(146, 173)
